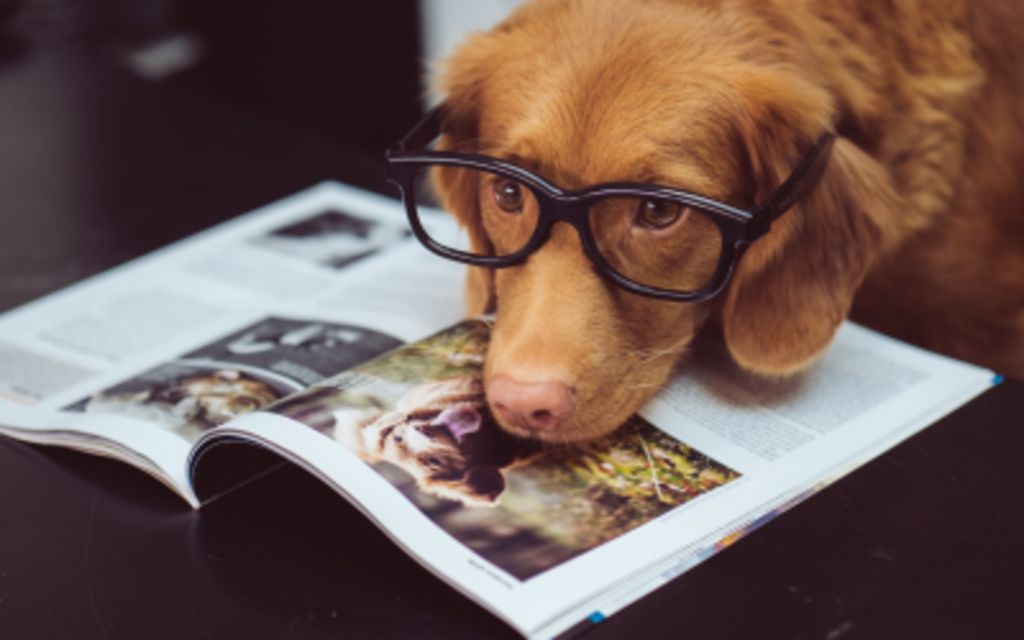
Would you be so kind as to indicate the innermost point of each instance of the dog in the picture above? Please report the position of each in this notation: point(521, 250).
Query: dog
point(442, 434)
point(188, 404)
point(915, 225)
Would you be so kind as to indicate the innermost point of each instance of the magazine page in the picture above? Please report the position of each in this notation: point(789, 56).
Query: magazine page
point(137, 362)
point(788, 438)
point(549, 538)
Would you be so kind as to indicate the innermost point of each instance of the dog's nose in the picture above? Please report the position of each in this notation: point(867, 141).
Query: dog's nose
point(534, 406)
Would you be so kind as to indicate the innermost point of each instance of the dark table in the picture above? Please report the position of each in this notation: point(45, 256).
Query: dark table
point(97, 167)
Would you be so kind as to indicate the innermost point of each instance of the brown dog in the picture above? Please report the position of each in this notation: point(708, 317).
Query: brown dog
point(918, 213)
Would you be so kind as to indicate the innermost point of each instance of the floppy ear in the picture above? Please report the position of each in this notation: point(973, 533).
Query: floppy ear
point(795, 285)
point(462, 82)
point(458, 190)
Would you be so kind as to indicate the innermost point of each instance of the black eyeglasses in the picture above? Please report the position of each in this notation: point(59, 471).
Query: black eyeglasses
point(652, 240)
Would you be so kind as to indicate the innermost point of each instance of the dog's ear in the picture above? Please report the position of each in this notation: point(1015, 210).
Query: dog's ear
point(794, 286)
point(462, 81)
point(458, 191)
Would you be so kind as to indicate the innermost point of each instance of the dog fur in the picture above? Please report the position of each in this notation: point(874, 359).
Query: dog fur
point(916, 225)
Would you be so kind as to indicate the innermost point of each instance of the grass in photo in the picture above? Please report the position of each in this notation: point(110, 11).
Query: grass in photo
point(418, 415)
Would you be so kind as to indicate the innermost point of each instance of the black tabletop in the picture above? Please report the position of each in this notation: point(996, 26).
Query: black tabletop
point(97, 167)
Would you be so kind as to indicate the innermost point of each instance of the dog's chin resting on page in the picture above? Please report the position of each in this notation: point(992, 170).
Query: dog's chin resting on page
point(916, 224)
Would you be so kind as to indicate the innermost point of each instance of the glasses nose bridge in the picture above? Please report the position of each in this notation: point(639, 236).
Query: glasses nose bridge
point(571, 210)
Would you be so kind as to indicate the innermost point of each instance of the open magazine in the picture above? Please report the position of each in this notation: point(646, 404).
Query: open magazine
point(316, 329)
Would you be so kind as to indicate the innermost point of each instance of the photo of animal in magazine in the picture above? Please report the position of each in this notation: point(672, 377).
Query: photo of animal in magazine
point(419, 417)
point(331, 239)
point(242, 372)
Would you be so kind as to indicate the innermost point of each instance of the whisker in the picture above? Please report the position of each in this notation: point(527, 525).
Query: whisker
point(672, 350)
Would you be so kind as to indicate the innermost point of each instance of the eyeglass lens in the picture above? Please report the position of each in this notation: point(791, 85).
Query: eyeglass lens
point(658, 243)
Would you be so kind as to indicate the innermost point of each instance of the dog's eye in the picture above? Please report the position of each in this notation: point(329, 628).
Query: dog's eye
point(658, 214)
point(434, 462)
point(508, 195)
point(244, 404)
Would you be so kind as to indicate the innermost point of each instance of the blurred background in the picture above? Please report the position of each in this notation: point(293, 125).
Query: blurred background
point(350, 71)
point(128, 124)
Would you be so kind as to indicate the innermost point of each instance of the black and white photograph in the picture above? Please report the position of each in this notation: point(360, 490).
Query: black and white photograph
point(242, 372)
point(331, 239)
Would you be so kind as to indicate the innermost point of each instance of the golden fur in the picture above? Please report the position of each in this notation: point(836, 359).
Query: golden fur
point(918, 214)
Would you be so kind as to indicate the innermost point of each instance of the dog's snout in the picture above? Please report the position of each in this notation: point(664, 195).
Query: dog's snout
point(533, 406)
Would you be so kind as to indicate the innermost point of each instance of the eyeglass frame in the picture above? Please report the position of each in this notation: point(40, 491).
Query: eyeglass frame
point(739, 228)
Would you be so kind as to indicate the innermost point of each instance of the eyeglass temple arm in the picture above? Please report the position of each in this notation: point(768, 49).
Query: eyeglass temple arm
point(799, 183)
point(425, 130)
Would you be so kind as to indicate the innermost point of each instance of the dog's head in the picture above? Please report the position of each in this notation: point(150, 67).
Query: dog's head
point(443, 435)
point(715, 101)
